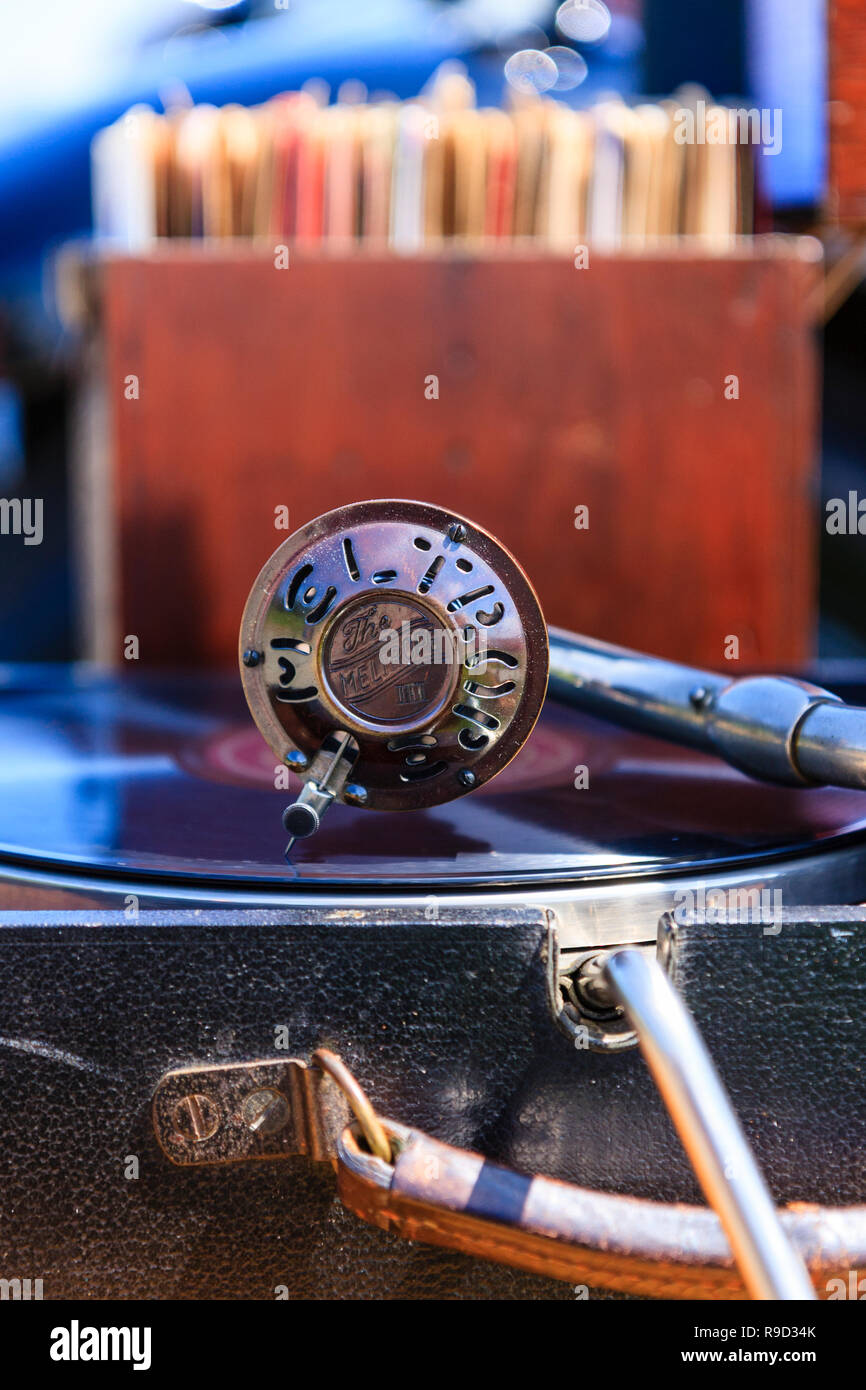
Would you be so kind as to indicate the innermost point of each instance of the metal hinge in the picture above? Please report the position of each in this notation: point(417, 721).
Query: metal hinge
point(580, 998)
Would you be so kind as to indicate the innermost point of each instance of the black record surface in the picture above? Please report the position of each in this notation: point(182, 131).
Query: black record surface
point(142, 775)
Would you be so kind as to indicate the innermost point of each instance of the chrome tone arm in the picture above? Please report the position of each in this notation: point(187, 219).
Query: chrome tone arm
point(771, 727)
point(710, 1132)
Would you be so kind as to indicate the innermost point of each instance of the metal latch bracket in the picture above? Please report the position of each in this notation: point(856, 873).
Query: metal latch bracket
point(269, 1108)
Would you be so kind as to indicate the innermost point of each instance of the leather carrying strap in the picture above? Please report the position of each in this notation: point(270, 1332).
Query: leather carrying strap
point(449, 1197)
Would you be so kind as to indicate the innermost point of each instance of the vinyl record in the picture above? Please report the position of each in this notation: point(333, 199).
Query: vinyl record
point(157, 778)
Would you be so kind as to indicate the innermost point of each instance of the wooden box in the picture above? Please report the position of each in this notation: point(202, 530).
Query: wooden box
point(673, 395)
point(846, 194)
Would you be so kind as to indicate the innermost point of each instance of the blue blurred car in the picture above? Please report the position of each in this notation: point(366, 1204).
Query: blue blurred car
point(67, 70)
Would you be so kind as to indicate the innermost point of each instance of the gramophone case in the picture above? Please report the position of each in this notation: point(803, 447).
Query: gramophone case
point(151, 924)
point(447, 1023)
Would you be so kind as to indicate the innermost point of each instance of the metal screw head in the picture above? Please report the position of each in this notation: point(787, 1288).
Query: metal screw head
point(466, 778)
point(700, 697)
point(196, 1118)
point(456, 533)
point(265, 1111)
point(252, 657)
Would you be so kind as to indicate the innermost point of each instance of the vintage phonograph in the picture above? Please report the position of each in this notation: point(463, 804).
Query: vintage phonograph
point(395, 659)
point(319, 650)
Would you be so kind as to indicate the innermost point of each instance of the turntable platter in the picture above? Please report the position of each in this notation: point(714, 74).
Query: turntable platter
point(165, 778)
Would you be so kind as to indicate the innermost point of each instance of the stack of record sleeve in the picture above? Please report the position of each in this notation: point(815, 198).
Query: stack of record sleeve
point(415, 175)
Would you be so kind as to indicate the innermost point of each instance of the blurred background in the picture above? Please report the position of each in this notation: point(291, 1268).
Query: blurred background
point(70, 337)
